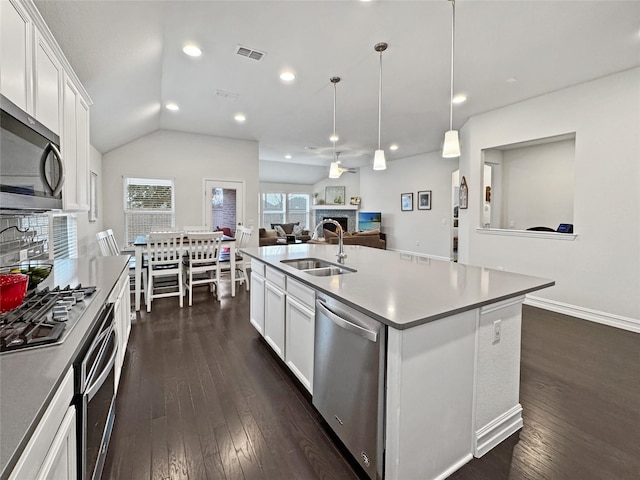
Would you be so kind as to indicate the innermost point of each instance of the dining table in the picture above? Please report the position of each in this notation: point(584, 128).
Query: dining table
point(227, 253)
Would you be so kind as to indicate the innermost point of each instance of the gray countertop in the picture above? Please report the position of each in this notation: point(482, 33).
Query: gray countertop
point(402, 290)
point(30, 378)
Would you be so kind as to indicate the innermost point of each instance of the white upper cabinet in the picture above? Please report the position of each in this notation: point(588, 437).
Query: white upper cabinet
point(36, 76)
point(47, 75)
point(15, 51)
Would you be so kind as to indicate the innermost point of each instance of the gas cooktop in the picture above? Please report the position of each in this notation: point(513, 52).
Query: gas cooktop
point(45, 317)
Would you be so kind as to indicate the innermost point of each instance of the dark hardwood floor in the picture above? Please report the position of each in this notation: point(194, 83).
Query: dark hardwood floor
point(202, 397)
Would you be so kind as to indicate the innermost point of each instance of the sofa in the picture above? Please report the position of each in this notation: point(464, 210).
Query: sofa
point(371, 238)
point(280, 230)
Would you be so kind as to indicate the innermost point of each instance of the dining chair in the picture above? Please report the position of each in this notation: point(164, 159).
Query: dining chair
point(109, 246)
point(164, 253)
point(195, 228)
point(200, 262)
point(243, 263)
point(243, 234)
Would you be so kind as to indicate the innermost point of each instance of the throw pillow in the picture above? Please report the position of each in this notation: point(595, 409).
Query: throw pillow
point(297, 230)
point(279, 230)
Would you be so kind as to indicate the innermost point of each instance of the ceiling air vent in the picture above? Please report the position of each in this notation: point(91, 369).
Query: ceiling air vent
point(250, 53)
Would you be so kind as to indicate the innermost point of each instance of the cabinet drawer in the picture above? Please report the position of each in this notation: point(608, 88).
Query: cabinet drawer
point(304, 294)
point(257, 267)
point(276, 277)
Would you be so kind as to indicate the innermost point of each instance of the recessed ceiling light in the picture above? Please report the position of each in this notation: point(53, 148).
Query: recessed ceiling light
point(512, 80)
point(287, 156)
point(192, 50)
point(287, 76)
point(240, 118)
point(393, 146)
point(172, 106)
point(459, 99)
point(334, 138)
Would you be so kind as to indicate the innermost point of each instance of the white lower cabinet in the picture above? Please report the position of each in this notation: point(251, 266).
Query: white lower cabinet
point(257, 302)
point(274, 312)
point(52, 447)
point(61, 461)
point(299, 335)
point(121, 311)
point(283, 312)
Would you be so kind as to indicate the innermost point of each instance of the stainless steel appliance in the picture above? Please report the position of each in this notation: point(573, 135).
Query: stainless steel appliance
point(32, 170)
point(348, 379)
point(95, 395)
point(45, 317)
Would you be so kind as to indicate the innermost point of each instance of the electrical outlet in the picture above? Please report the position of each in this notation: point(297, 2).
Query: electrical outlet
point(496, 331)
point(24, 254)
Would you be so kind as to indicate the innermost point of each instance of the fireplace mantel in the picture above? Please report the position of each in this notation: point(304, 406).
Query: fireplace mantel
point(334, 207)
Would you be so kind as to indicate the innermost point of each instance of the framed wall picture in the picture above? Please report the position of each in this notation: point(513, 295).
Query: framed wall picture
point(334, 195)
point(424, 200)
point(464, 193)
point(406, 202)
point(355, 201)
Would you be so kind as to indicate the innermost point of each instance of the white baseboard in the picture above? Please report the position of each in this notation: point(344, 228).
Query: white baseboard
point(610, 319)
point(496, 431)
point(453, 468)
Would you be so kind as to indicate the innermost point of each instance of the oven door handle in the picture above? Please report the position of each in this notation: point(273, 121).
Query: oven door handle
point(93, 388)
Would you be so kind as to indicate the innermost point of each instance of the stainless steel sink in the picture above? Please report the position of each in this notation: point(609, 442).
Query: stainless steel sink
point(317, 267)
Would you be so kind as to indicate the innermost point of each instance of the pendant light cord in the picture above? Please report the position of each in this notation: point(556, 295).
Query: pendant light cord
point(334, 121)
point(380, 102)
point(453, 40)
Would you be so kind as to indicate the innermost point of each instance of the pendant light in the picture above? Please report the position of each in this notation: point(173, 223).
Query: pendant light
point(451, 147)
point(334, 169)
point(379, 162)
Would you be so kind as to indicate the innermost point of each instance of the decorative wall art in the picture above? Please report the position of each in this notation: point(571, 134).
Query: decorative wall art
point(424, 200)
point(334, 195)
point(406, 202)
point(355, 201)
point(464, 193)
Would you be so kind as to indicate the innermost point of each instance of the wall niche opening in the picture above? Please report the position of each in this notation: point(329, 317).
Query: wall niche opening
point(529, 185)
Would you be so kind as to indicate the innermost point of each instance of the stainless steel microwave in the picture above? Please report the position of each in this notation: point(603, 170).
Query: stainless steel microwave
point(31, 167)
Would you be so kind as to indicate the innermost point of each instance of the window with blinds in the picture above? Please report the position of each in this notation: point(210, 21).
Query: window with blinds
point(63, 237)
point(285, 208)
point(148, 203)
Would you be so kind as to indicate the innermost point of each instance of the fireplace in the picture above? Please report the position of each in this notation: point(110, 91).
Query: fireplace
point(341, 215)
point(343, 221)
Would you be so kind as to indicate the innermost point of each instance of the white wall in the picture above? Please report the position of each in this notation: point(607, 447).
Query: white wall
point(597, 275)
point(538, 185)
point(87, 230)
point(351, 182)
point(187, 159)
point(380, 191)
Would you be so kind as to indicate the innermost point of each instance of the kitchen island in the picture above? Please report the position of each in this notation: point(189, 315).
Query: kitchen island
point(452, 345)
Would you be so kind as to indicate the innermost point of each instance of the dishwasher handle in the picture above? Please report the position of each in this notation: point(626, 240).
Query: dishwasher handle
point(346, 324)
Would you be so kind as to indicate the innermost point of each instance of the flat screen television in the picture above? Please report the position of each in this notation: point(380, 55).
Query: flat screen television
point(369, 221)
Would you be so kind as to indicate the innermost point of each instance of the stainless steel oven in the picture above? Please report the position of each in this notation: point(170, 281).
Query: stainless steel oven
point(95, 394)
point(32, 170)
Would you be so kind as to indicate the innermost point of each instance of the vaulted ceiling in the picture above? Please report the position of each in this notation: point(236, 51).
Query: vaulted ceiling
point(129, 57)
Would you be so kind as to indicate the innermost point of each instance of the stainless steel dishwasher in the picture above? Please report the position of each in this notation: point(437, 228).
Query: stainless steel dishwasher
point(348, 380)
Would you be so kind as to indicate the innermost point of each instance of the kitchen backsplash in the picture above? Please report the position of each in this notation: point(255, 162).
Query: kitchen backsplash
point(28, 234)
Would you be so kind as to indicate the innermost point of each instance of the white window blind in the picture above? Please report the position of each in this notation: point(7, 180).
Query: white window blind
point(63, 237)
point(148, 203)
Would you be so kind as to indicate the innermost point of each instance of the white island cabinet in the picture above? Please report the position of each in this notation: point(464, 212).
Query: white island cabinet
point(452, 354)
point(283, 312)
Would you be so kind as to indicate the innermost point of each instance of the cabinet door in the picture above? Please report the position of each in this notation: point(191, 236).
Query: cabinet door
point(257, 302)
point(82, 153)
point(299, 335)
point(274, 311)
point(47, 80)
point(69, 145)
point(15, 51)
point(61, 460)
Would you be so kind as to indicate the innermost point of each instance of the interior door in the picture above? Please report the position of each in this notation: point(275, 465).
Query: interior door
point(224, 204)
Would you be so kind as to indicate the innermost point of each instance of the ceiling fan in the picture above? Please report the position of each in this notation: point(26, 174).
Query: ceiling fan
point(335, 171)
